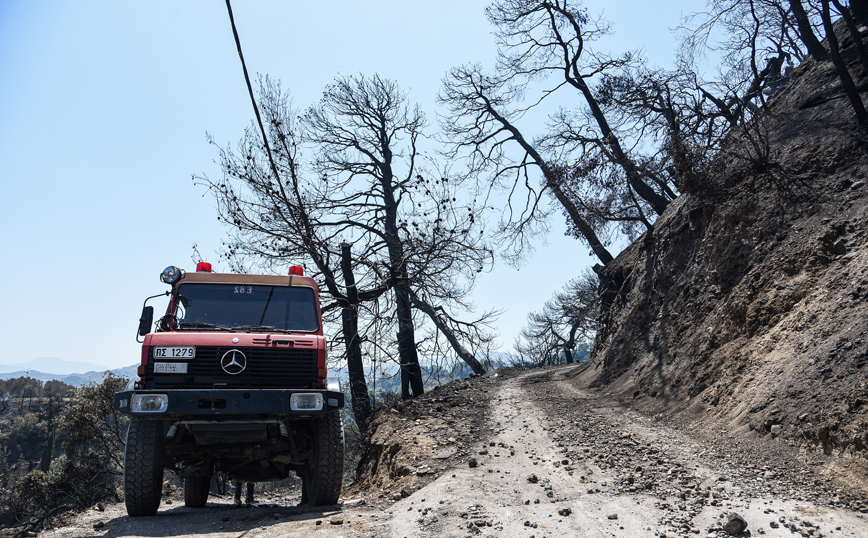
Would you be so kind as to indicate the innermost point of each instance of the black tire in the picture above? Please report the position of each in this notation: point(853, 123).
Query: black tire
point(143, 469)
point(196, 491)
point(323, 476)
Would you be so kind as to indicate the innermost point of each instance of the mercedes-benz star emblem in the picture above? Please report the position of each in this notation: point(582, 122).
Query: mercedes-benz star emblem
point(233, 362)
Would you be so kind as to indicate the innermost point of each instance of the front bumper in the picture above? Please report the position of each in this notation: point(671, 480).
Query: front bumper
point(192, 403)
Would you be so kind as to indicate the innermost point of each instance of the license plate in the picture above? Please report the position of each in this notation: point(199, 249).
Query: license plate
point(170, 367)
point(174, 352)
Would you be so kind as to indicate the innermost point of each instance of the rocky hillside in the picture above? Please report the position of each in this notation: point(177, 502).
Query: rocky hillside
point(748, 302)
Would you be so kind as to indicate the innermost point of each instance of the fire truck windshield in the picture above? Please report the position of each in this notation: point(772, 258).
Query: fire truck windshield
point(246, 307)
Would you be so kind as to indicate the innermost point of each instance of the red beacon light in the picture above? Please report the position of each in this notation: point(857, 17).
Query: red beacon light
point(203, 267)
point(296, 270)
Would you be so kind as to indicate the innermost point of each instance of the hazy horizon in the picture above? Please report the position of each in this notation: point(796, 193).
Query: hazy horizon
point(52, 365)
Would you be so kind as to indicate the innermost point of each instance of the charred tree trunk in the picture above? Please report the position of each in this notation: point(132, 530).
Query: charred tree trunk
point(570, 344)
point(859, 8)
point(411, 372)
point(815, 48)
point(841, 67)
point(553, 181)
point(568, 354)
point(852, 26)
point(361, 401)
point(578, 221)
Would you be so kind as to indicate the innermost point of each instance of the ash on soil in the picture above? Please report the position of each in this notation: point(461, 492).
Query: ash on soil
point(413, 442)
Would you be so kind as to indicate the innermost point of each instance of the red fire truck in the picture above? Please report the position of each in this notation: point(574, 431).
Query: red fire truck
point(232, 378)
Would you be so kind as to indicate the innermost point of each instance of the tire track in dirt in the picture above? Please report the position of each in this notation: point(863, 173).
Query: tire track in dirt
point(521, 486)
point(564, 461)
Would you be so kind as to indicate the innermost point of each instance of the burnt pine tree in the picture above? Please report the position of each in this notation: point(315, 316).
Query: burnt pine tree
point(367, 138)
point(567, 320)
point(597, 178)
point(336, 211)
point(539, 38)
point(354, 127)
point(295, 216)
point(482, 125)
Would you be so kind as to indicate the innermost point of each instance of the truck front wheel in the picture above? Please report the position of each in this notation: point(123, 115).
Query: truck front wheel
point(143, 470)
point(323, 475)
point(196, 491)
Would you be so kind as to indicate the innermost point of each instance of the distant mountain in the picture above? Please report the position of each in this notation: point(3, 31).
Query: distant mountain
point(74, 379)
point(51, 364)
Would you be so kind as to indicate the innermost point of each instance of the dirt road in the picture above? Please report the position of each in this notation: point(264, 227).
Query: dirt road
point(560, 462)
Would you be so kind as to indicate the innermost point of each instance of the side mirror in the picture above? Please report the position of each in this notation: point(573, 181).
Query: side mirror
point(146, 321)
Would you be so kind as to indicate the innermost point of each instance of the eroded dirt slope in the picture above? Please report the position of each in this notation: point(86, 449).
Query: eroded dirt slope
point(748, 302)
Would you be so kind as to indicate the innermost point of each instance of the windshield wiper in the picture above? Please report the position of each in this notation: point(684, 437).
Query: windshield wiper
point(202, 325)
point(258, 328)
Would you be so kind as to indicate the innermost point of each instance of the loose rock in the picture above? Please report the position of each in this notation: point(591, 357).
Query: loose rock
point(735, 524)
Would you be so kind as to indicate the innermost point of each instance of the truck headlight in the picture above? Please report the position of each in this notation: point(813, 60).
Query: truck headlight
point(305, 402)
point(171, 274)
point(149, 403)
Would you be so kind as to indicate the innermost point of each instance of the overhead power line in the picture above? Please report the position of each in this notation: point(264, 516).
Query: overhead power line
point(250, 91)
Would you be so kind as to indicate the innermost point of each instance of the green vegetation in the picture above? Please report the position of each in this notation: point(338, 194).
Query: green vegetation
point(60, 449)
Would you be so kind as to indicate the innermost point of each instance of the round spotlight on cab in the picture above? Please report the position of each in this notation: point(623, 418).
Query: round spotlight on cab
point(171, 274)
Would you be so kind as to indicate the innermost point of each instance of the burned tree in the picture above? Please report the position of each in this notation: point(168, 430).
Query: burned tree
point(539, 38)
point(367, 138)
point(566, 321)
point(378, 227)
point(844, 75)
point(482, 123)
point(759, 41)
point(594, 169)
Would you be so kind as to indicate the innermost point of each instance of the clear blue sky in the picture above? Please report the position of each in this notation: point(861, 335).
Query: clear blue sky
point(104, 107)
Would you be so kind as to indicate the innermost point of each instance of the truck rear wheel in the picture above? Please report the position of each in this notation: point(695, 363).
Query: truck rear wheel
point(143, 470)
point(323, 476)
point(196, 491)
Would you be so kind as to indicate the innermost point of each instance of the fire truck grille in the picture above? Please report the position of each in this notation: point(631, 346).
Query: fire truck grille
point(262, 368)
